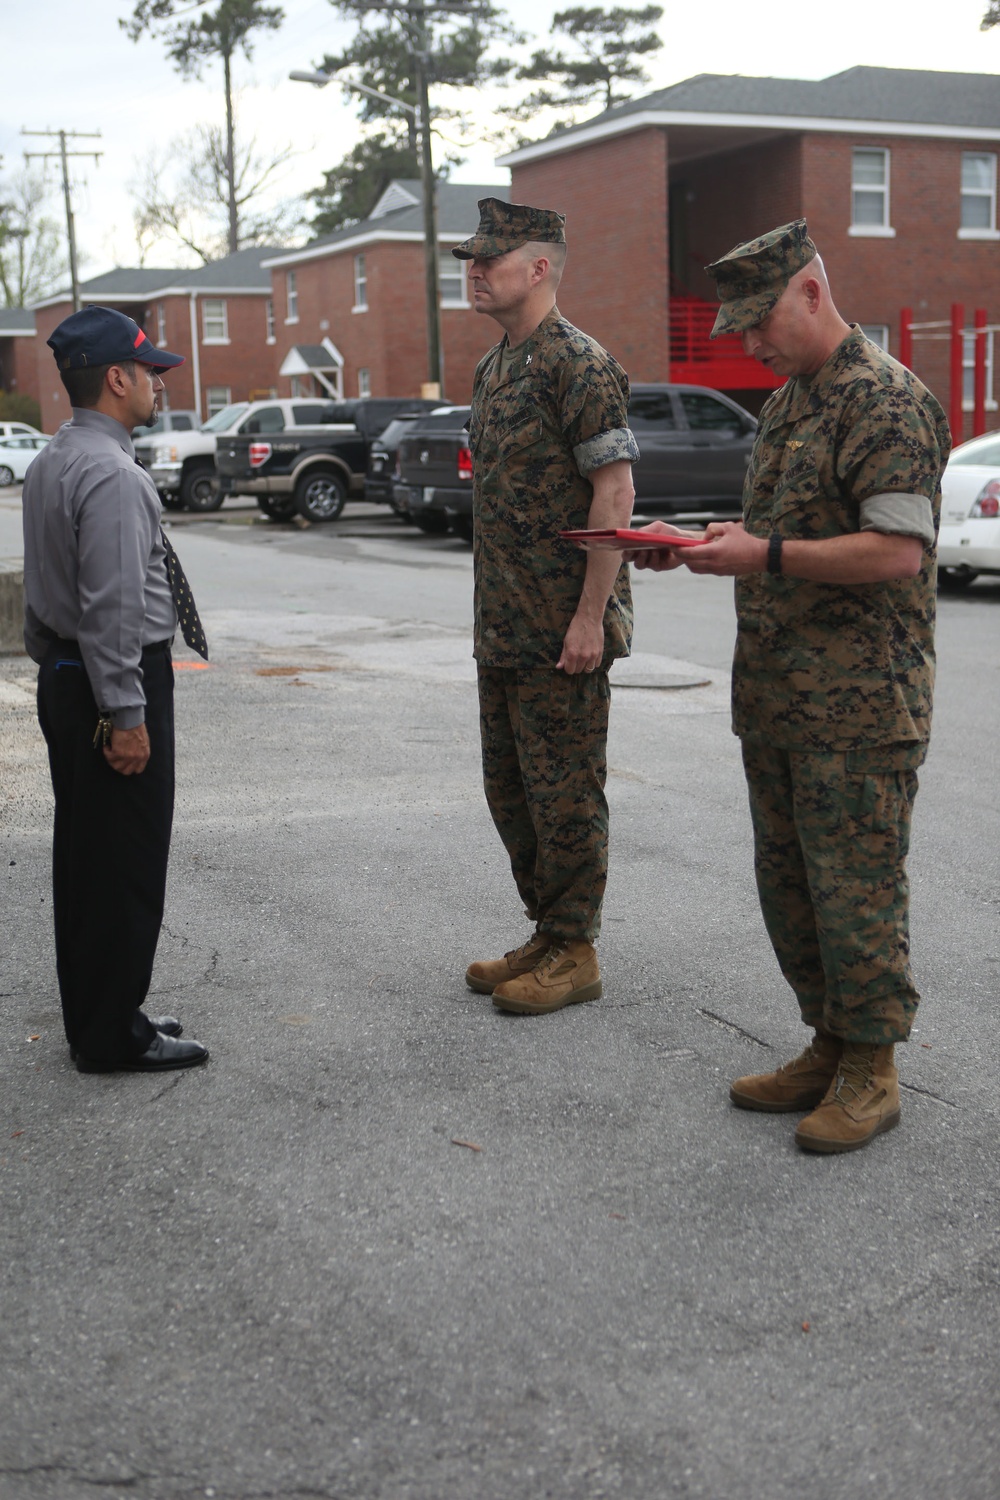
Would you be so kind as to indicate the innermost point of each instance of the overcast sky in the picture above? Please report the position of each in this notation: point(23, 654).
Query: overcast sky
point(67, 64)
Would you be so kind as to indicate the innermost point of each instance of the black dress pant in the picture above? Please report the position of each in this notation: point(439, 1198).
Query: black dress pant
point(109, 855)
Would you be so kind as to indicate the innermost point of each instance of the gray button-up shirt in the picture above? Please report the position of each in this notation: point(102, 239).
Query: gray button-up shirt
point(94, 562)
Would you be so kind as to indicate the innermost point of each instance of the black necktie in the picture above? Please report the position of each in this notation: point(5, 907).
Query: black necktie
point(187, 610)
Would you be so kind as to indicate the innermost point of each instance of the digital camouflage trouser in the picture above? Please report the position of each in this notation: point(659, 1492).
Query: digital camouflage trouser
point(831, 834)
point(544, 736)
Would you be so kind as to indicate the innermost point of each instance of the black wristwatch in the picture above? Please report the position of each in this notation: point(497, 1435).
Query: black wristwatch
point(774, 553)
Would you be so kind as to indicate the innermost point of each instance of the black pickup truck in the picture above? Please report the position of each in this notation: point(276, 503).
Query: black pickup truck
point(309, 470)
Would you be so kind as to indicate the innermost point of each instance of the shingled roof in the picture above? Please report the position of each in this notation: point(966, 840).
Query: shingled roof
point(904, 98)
point(233, 274)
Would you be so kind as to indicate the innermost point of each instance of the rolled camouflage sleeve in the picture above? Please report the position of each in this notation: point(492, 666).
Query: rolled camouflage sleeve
point(593, 400)
point(606, 448)
point(899, 515)
point(893, 449)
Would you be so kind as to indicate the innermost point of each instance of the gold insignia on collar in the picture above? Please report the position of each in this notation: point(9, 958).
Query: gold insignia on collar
point(795, 443)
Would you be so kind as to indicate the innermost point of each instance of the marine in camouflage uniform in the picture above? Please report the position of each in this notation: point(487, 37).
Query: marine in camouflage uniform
point(833, 674)
point(547, 415)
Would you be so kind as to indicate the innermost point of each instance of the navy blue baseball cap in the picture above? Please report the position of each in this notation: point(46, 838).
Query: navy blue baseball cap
point(103, 336)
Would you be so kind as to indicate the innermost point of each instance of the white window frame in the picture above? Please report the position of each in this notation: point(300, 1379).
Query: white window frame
point(878, 333)
point(462, 300)
point(291, 298)
point(216, 398)
point(972, 231)
point(364, 383)
point(161, 326)
point(217, 319)
point(360, 283)
point(269, 319)
point(883, 231)
point(969, 372)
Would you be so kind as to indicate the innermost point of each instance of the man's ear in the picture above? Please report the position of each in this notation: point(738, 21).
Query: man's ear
point(116, 380)
point(540, 270)
point(813, 293)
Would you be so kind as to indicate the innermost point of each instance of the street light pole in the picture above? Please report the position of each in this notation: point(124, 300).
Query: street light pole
point(413, 16)
point(435, 350)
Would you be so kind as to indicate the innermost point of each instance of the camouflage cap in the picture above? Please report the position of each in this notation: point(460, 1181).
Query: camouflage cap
point(751, 278)
point(505, 226)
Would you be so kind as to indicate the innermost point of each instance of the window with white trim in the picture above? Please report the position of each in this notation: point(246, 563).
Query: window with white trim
point(360, 284)
point(291, 298)
point(161, 325)
point(978, 215)
point(269, 319)
point(216, 397)
point(878, 333)
point(452, 283)
point(364, 383)
point(969, 372)
point(870, 191)
point(214, 321)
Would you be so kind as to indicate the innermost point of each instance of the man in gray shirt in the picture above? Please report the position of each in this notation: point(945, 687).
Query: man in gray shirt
point(102, 590)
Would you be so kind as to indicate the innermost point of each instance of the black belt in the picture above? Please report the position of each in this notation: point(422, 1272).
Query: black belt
point(72, 648)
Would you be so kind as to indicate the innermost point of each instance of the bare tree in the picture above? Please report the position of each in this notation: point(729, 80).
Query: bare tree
point(219, 33)
point(992, 16)
point(32, 256)
point(185, 196)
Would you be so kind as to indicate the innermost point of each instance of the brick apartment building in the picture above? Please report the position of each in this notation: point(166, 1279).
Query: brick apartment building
point(218, 316)
point(18, 363)
point(350, 307)
point(895, 171)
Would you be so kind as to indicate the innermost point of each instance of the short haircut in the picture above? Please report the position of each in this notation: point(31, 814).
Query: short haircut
point(84, 387)
point(554, 253)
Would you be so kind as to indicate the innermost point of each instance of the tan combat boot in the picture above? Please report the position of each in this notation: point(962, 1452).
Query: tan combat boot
point(861, 1102)
point(487, 974)
point(799, 1084)
point(566, 975)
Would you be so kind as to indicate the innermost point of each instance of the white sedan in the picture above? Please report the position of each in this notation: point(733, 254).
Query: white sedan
point(969, 541)
point(16, 453)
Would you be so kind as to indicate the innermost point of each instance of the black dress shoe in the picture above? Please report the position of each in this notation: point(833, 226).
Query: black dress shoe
point(163, 1052)
point(169, 1025)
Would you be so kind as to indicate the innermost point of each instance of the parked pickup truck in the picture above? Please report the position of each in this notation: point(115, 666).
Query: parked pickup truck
point(434, 468)
point(183, 463)
point(309, 470)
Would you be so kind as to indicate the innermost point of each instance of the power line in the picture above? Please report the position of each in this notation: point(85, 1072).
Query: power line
point(64, 155)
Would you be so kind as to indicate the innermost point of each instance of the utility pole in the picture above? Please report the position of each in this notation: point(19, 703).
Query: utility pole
point(64, 156)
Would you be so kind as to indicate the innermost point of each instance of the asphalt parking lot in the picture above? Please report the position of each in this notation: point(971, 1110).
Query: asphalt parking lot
point(392, 1245)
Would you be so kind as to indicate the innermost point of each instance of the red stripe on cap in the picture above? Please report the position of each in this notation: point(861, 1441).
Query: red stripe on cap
point(138, 339)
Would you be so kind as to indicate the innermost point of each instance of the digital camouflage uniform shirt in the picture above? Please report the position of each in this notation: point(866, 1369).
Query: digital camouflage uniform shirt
point(820, 666)
point(545, 415)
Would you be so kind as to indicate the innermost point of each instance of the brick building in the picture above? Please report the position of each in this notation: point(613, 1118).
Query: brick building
point(350, 307)
point(895, 171)
point(218, 316)
point(18, 364)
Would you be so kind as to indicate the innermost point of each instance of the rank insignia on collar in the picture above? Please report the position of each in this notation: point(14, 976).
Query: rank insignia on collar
point(795, 443)
point(527, 361)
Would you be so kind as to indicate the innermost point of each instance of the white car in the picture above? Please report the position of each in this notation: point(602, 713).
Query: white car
point(18, 429)
point(969, 540)
point(16, 453)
